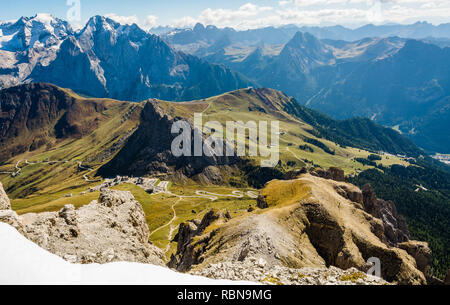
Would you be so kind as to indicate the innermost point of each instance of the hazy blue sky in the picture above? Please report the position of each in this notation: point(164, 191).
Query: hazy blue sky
point(237, 13)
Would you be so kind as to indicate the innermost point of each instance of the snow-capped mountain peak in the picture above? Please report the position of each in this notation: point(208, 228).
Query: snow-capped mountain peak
point(104, 59)
point(100, 25)
point(41, 30)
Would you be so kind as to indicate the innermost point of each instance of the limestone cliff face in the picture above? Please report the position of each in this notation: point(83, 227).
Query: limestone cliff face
point(111, 229)
point(310, 222)
point(148, 151)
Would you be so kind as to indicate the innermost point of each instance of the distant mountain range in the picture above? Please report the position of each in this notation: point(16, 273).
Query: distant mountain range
point(409, 90)
point(196, 39)
point(106, 59)
point(401, 83)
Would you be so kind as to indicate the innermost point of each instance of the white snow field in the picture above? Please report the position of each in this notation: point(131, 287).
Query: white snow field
point(23, 262)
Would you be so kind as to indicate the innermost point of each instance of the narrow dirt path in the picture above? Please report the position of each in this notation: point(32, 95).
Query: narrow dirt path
point(201, 194)
point(171, 221)
point(170, 235)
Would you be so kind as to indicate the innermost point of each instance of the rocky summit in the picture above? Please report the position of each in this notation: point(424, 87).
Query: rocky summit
point(111, 229)
point(148, 151)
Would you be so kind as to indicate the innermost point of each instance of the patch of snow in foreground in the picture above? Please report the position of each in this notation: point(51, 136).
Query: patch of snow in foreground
point(23, 262)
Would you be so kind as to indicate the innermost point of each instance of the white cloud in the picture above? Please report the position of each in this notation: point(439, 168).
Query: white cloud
point(123, 19)
point(151, 21)
point(323, 12)
point(304, 3)
point(284, 2)
point(225, 17)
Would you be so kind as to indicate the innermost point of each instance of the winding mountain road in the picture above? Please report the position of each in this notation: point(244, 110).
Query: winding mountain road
point(79, 164)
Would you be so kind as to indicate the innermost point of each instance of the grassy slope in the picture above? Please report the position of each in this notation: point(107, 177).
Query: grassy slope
point(235, 106)
point(44, 180)
point(43, 187)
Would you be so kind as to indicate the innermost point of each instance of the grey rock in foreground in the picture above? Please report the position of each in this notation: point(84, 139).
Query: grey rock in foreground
point(111, 229)
point(5, 204)
point(6, 214)
point(258, 270)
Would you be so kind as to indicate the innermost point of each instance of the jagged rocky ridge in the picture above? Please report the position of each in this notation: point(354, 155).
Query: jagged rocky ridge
point(209, 35)
point(148, 151)
point(28, 42)
point(327, 218)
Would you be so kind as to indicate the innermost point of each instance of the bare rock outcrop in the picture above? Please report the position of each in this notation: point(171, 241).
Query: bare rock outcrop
point(10, 217)
point(395, 227)
point(294, 173)
point(333, 173)
point(5, 204)
point(257, 270)
point(351, 193)
point(7, 215)
point(261, 202)
point(110, 230)
point(420, 251)
point(149, 150)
